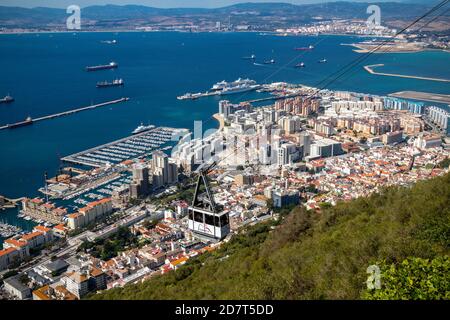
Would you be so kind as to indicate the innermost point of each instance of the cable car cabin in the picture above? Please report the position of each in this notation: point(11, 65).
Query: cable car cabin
point(207, 223)
point(206, 218)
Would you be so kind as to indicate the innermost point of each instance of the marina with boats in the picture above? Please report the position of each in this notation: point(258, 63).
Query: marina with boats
point(135, 146)
point(7, 230)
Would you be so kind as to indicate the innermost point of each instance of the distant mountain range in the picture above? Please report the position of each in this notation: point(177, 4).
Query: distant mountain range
point(260, 14)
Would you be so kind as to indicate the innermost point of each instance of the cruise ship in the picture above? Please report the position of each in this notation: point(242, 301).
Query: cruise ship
point(7, 99)
point(240, 85)
point(142, 128)
point(111, 65)
point(105, 84)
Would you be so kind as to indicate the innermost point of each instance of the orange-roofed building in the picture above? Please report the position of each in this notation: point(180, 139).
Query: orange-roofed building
point(42, 228)
point(75, 220)
point(42, 293)
point(34, 239)
point(48, 234)
point(21, 246)
point(14, 243)
point(36, 200)
point(90, 213)
point(60, 211)
point(175, 264)
point(60, 229)
point(7, 257)
point(97, 278)
point(50, 293)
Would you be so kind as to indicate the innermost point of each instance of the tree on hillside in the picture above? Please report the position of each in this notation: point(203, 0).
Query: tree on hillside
point(413, 279)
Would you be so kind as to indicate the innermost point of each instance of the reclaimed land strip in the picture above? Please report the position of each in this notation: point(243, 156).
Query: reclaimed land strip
point(423, 96)
point(65, 113)
point(371, 67)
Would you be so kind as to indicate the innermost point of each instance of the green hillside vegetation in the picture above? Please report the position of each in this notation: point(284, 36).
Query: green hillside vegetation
point(310, 255)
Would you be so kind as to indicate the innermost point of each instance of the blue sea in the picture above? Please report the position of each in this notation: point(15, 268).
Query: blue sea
point(45, 74)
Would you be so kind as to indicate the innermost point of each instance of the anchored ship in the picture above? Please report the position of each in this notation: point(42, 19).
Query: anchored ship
point(109, 41)
point(111, 65)
point(7, 99)
point(271, 61)
point(114, 83)
point(252, 57)
point(310, 47)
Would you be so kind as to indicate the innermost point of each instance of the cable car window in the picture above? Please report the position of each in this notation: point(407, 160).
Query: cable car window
point(198, 216)
point(216, 221)
point(209, 219)
point(224, 220)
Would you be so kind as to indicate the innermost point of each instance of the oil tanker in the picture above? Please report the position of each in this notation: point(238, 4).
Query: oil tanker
point(114, 83)
point(111, 65)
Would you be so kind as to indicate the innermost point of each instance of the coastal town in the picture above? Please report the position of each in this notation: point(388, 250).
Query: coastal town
point(145, 205)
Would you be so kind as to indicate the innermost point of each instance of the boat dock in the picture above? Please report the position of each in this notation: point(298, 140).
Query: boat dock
point(65, 113)
point(193, 96)
point(73, 169)
point(6, 203)
point(371, 67)
point(127, 148)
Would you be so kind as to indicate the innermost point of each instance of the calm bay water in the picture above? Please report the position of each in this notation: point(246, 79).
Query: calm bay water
point(45, 74)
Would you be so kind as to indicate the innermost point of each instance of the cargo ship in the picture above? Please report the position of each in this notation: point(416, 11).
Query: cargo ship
point(300, 65)
point(111, 65)
point(114, 83)
point(271, 61)
point(7, 99)
point(323, 60)
point(305, 48)
point(26, 122)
